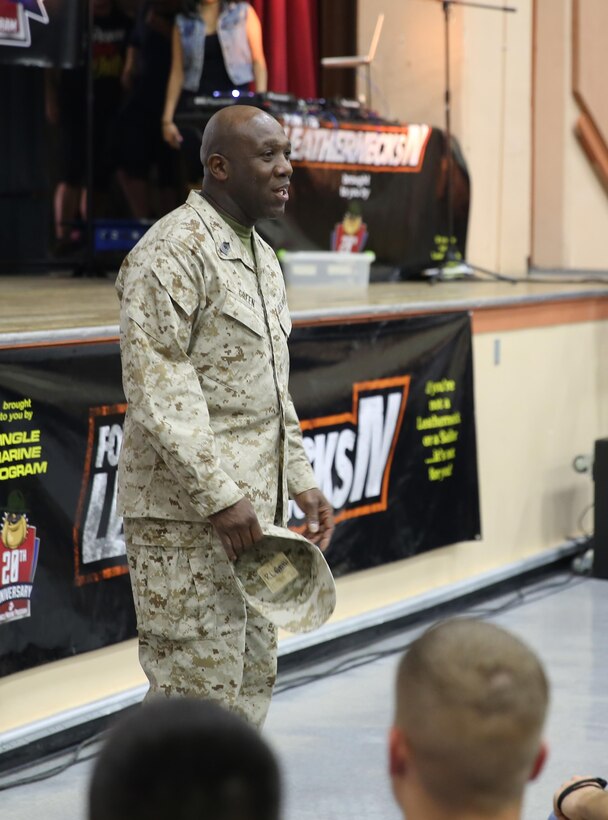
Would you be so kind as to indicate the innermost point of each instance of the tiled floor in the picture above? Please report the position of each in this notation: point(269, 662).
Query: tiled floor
point(331, 733)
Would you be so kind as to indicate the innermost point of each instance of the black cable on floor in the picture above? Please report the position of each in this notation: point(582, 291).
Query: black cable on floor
point(522, 596)
point(73, 757)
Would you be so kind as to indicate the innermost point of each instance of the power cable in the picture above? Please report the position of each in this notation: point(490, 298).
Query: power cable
point(524, 595)
point(581, 519)
point(74, 756)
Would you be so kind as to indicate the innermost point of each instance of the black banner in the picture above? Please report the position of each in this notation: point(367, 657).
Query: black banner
point(382, 187)
point(362, 184)
point(61, 411)
point(42, 32)
point(388, 420)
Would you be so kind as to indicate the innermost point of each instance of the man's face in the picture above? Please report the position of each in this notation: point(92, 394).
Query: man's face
point(259, 169)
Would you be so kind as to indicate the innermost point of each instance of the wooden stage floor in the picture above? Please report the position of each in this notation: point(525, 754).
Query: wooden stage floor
point(36, 304)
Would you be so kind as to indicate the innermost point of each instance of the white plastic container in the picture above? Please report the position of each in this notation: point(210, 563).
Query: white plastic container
point(320, 268)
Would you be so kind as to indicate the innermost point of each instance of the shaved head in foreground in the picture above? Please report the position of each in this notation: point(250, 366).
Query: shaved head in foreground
point(471, 702)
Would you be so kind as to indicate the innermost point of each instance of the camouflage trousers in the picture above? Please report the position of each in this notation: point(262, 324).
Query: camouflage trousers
point(197, 636)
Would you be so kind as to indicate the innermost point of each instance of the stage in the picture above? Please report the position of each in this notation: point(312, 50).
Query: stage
point(539, 398)
point(57, 307)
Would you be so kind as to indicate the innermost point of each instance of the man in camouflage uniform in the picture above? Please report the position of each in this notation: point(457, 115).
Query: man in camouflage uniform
point(212, 447)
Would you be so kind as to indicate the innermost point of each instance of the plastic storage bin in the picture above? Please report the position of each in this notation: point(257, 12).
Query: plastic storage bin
point(320, 268)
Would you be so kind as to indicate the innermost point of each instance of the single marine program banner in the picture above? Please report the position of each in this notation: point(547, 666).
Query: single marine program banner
point(64, 587)
point(388, 420)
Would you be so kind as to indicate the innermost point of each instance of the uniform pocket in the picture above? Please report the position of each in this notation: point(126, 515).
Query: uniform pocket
point(237, 309)
point(285, 320)
point(174, 592)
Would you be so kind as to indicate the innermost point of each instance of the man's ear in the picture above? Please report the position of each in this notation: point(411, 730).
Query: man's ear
point(539, 761)
point(398, 753)
point(218, 166)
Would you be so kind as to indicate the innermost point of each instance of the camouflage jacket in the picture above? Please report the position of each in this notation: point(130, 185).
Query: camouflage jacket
point(203, 340)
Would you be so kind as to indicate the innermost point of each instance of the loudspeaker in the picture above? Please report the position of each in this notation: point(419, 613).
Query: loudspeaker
point(600, 538)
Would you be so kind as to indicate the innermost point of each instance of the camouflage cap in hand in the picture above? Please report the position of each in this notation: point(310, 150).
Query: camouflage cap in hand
point(286, 579)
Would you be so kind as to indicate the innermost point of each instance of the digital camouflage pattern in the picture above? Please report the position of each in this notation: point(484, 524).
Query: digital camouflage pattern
point(205, 371)
point(197, 635)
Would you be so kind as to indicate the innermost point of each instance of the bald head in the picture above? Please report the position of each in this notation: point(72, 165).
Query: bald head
point(471, 704)
point(229, 127)
point(245, 155)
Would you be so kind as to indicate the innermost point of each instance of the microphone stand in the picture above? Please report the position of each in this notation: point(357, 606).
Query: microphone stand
point(451, 260)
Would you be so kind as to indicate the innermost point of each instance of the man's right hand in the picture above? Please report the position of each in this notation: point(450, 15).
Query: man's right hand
point(238, 527)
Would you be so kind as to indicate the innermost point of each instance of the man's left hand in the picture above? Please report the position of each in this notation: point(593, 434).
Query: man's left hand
point(319, 517)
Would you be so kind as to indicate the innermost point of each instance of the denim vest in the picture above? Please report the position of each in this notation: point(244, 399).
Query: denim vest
point(232, 35)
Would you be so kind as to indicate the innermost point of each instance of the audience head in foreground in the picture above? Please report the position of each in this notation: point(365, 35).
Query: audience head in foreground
point(467, 736)
point(184, 759)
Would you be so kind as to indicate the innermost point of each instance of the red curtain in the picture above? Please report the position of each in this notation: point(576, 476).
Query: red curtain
point(290, 30)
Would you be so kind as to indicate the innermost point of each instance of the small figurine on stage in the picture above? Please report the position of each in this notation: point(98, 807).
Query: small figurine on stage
point(350, 235)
